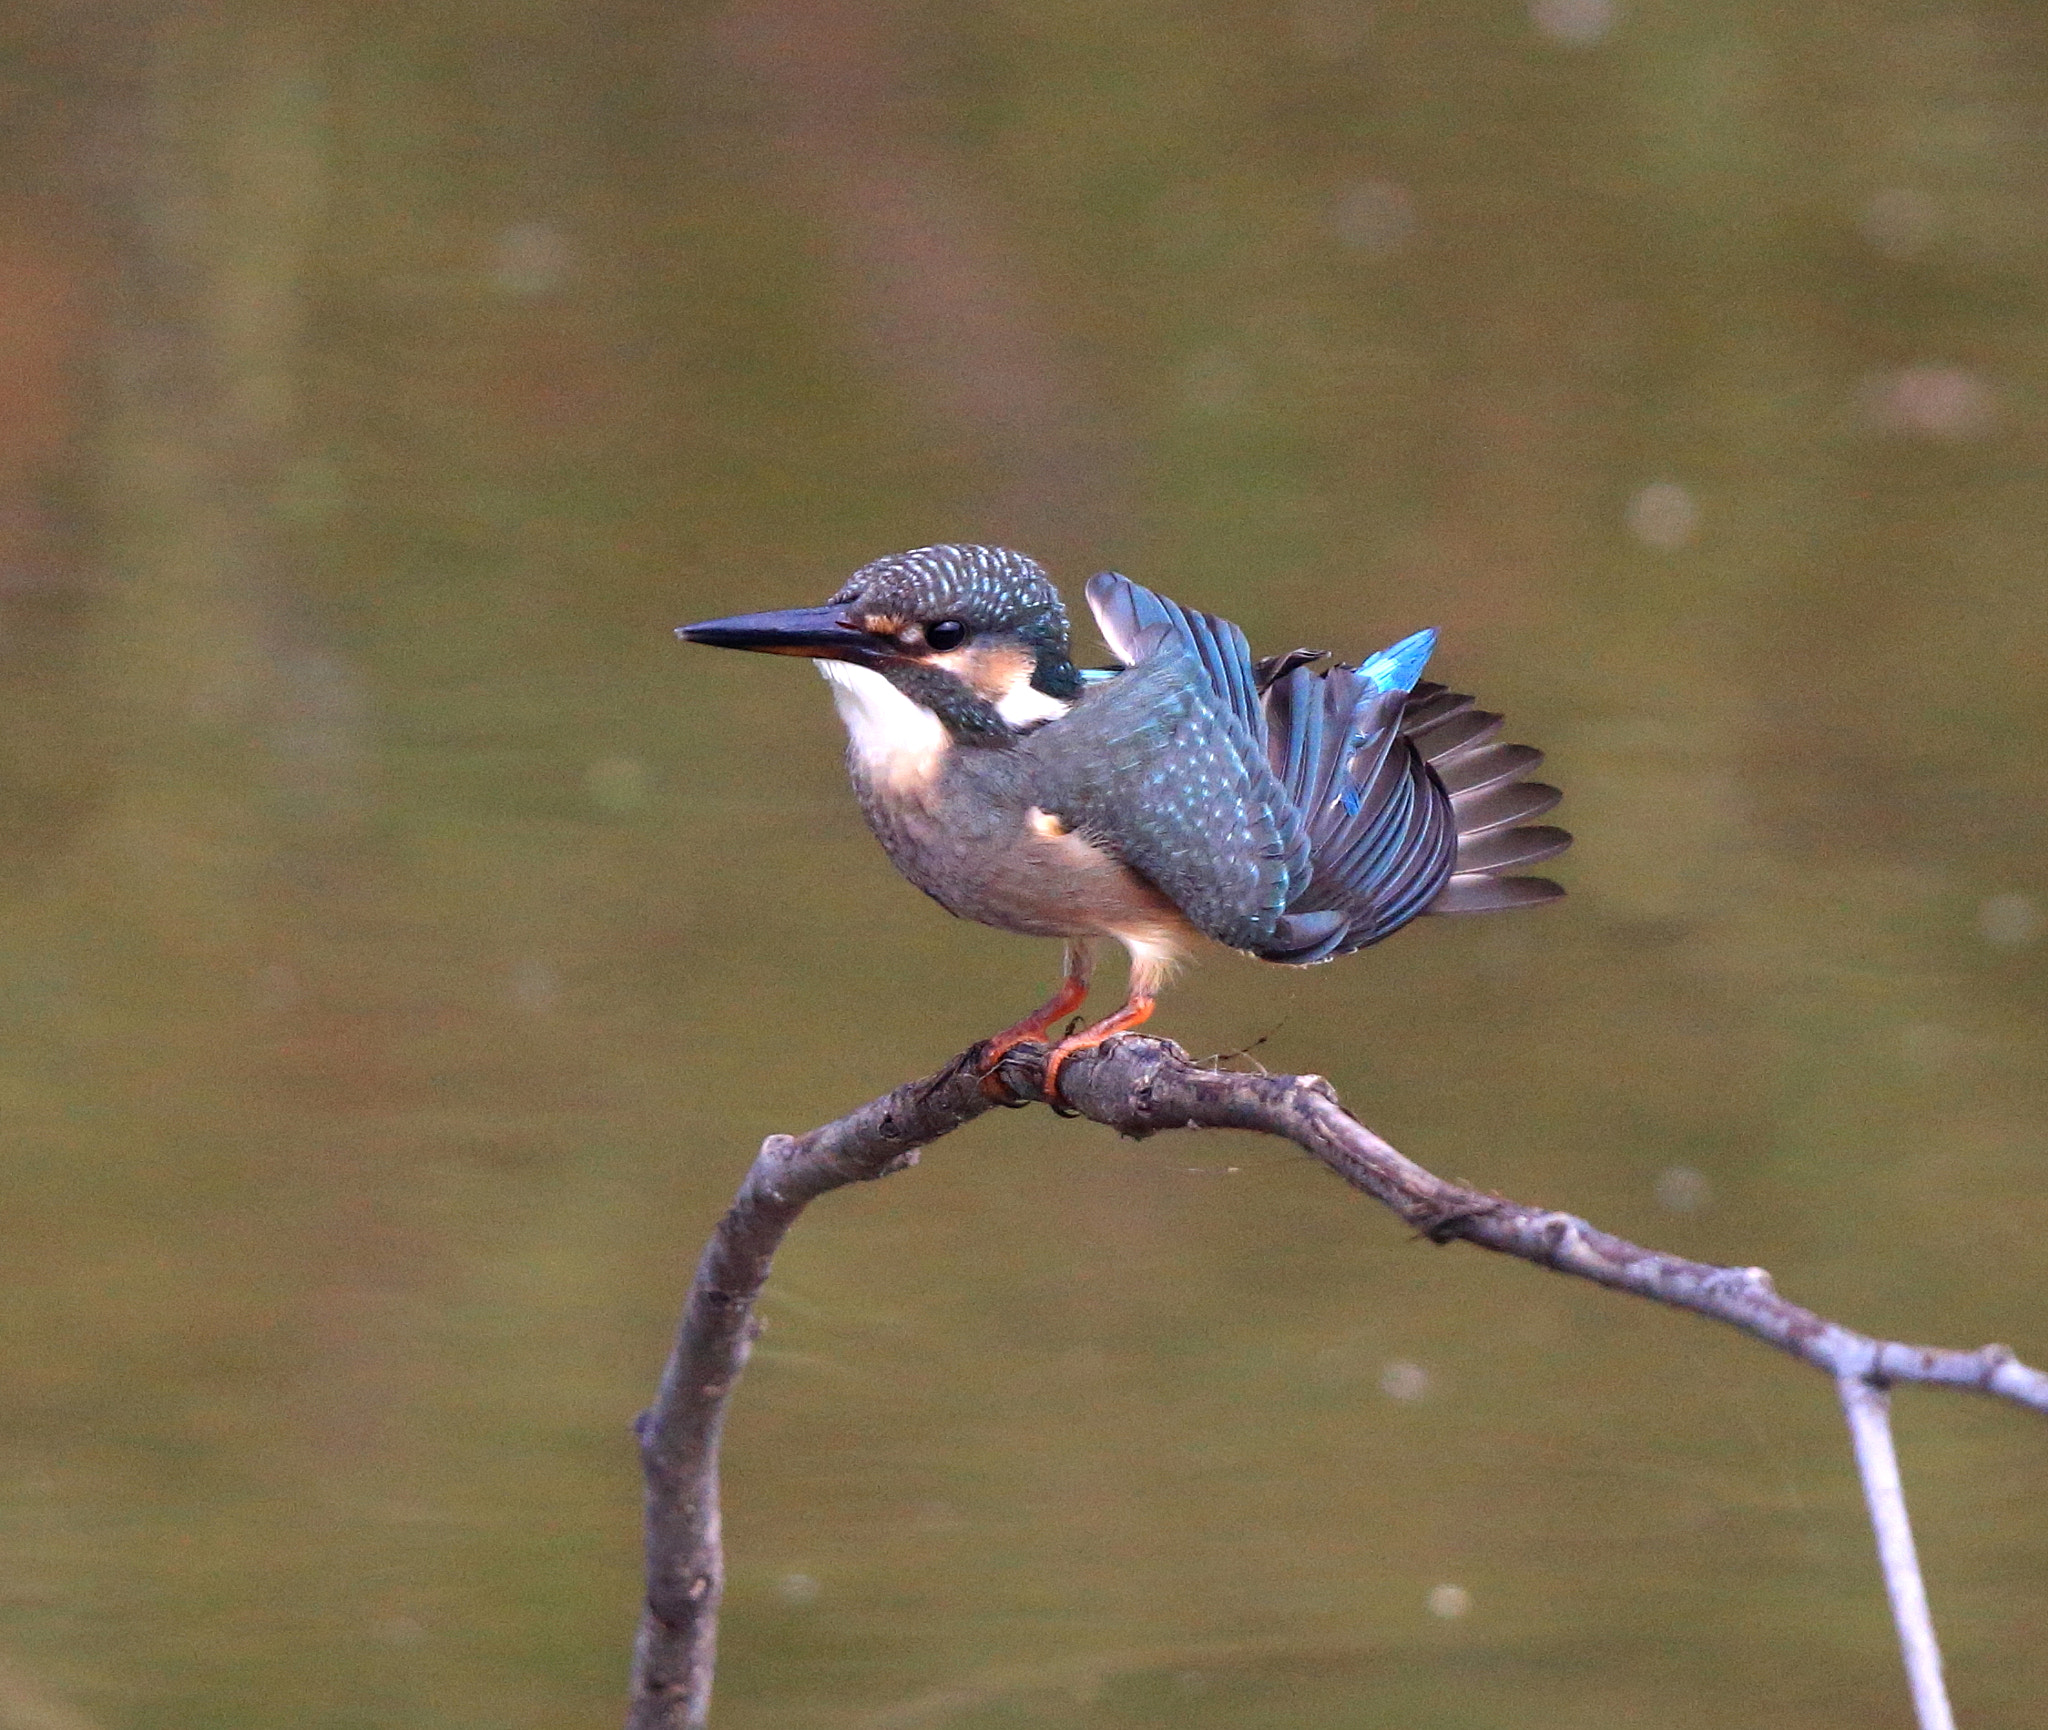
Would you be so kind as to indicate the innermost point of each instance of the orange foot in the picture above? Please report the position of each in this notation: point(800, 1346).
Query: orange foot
point(1031, 1030)
point(1133, 1014)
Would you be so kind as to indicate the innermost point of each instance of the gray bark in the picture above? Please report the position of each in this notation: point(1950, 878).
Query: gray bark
point(1140, 1086)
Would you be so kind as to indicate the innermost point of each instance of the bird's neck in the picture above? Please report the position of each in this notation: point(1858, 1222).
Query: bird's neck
point(901, 725)
point(968, 717)
point(988, 694)
point(1055, 675)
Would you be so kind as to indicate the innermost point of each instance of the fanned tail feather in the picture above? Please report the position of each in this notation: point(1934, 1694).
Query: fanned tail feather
point(1410, 804)
point(1490, 803)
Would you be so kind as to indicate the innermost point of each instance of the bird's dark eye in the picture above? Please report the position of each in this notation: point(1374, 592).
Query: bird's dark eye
point(945, 634)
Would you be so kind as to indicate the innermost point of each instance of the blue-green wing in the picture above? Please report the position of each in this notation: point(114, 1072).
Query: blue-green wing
point(1164, 766)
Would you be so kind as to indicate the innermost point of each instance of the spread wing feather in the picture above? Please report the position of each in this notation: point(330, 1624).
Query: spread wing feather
point(1132, 619)
point(1164, 766)
point(1293, 812)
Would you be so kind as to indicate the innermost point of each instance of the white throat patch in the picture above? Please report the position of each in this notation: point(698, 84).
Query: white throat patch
point(896, 742)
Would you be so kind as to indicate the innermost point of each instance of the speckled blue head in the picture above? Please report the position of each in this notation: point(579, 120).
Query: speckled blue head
point(992, 591)
point(975, 635)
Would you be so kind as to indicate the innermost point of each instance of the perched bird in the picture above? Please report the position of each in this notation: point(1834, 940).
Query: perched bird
point(1283, 808)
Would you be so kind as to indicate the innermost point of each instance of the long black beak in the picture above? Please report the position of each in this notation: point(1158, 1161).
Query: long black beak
point(817, 631)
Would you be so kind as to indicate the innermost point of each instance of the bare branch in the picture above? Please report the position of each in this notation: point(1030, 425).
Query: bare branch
point(1148, 1084)
point(1867, 1406)
point(1140, 1086)
point(679, 1435)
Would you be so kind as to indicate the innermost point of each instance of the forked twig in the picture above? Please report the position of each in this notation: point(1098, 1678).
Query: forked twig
point(1139, 1086)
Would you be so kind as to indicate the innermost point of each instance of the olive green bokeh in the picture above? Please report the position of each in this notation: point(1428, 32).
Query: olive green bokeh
point(405, 942)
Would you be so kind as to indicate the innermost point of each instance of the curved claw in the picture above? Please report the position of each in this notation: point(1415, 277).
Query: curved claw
point(1133, 1014)
point(993, 1087)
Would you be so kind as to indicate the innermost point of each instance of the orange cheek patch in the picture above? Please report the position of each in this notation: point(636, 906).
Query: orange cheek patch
point(992, 671)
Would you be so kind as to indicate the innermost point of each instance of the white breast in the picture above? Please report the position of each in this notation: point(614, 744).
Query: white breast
point(897, 743)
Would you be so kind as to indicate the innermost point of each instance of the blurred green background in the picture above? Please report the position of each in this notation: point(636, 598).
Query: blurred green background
point(405, 942)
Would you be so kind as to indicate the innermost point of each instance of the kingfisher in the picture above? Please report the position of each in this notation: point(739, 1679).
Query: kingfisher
point(1293, 808)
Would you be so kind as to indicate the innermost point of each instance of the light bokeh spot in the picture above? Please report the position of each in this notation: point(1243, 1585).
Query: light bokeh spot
point(1401, 1380)
point(1663, 515)
point(1449, 1602)
point(1680, 1189)
point(798, 1589)
point(2010, 920)
point(531, 259)
point(536, 987)
point(1577, 23)
point(1900, 221)
point(1948, 403)
point(1375, 217)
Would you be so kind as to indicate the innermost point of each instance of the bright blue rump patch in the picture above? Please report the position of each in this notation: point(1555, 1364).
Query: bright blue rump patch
point(1398, 668)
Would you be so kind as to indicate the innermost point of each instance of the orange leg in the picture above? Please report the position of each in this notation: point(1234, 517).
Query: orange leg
point(1133, 1014)
point(1073, 991)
